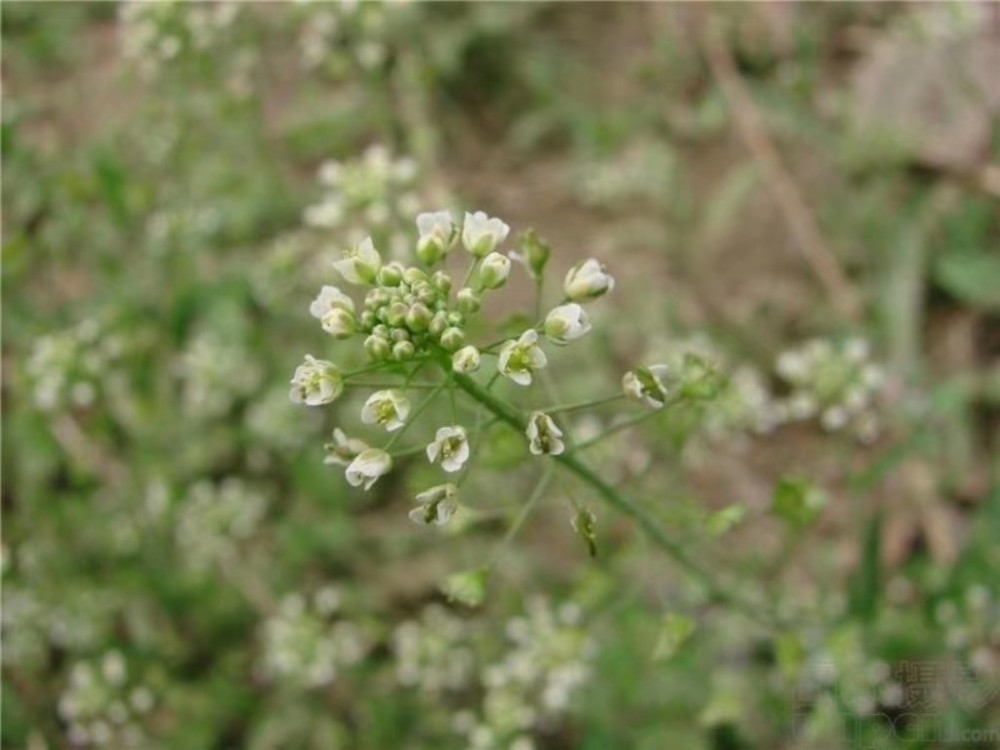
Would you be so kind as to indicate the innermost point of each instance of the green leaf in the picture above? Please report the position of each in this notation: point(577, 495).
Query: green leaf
point(974, 278)
point(674, 633)
point(467, 587)
point(798, 501)
point(722, 521)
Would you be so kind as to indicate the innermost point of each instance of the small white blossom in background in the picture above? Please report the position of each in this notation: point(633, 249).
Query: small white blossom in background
point(520, 358)
point(836, 382)
point(436, 505)
point(316, 382)
point(435, 653)
point(305, 645)
point(566, 323)
point(544, 437)
point(388, 408)
point(216, 370)
point(215, 519)
point(450, 448)
point(102, 706)
point(73, 368)
point(374, 195)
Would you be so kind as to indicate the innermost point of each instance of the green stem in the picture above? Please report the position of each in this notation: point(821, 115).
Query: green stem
point(413, 416)
point(583, 404)
point(650, 526)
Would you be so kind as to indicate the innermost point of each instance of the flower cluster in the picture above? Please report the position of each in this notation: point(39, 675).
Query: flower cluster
point(215, 519)
point(338, 38)
point(416, 315)
point(216, 371)
point(102, 707)
point(72, 367)
point(527, 686)
point(836, 382)
point(304, 645)
point(972, 629)
point(371, 194)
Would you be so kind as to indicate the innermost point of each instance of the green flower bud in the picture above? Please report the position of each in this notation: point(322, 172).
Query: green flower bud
point(418, 317)
point(452, 339)
point(494, 271)
point(469, 301)
point(376, 298)
point(399, 334)
point(381, 330)
point(414, 276)
point(533, 253)
point(403, 350)
point(397, 314)
point(441, 281)
point(428, 294)
point(438, 323)
point(456, 319)
point(368, 320)
point(390, 275)
point(377, 348)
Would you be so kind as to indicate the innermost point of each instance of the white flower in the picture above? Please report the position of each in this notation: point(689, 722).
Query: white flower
point(519, 358)
point(451, 446)
point(494, 271)
point(481, 234)
point(360, 264)
point(316, 382)
point(343, 449)
point(387, 408)
point(566, 323)
point(543, 435)
point(437, 505)
point(587, 280)
point(367, 467)
point(652, 385)
point(324, 215)
point(466, 359)
point(339, 323)
point(330, 298)
point(437, 235)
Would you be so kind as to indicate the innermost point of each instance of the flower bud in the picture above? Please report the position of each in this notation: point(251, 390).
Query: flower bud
point(533, 253)
point(452, 338)
point(377, 348)
point(399, 334)
point(469, 301)
point(466, 359)
point(438, 323)
point(494, 271)
point(368, 320)
point(418, 317)
point(414, 276)
point(456, 319)
point(396, 315)
point(566, 323)
point(390, 275)
point(403, 351)
point(587, 280)
point(339, 323)
point(441, 281)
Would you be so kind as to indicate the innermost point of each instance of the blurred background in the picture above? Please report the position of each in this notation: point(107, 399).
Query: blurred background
point(804, 195)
